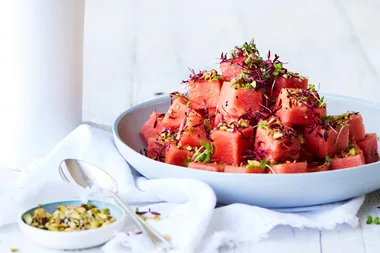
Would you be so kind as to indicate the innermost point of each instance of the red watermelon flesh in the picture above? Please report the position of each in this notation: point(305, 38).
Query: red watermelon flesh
point(287, 82)
point(236, 102)
point(231, 69)
point(357, 129)
point(204, 93)
point(277, 142)
point(350, 157)
point(290, 167)
point(306, 156)
point(208, 113)
point(152, 127)
point(229, 144)
point(228, 119)
point(176, 113)
point(315, 167)
point(295, 111)
point(156, 149)
point(326, 141)
point(217, 167)
point(193, 131)
point(242, 169)
point(369, 146)
point(176, 156)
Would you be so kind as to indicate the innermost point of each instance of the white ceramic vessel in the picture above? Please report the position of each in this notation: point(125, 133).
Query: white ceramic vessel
point(266, 190)
point(75, 239)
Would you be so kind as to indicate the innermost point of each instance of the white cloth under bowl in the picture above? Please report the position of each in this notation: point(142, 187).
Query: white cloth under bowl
point(187, 206)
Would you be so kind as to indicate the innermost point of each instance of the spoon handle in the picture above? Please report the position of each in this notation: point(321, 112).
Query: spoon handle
point(153, 234)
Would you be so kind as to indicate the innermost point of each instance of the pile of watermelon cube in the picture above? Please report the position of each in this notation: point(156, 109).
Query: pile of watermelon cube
point(255, 116)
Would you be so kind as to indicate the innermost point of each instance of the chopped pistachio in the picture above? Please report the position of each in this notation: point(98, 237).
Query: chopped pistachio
point(253, 163)
point(277, 135)
point(28, 218)
point(70, 218)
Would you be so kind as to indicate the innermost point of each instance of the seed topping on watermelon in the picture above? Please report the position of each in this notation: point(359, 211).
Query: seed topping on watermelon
point(260, 73)
point(176, 94)
point(211, 75)
point(245, 81)
point(346, 116)
point(308, 97)
point(246, 50)
point(280, 132)
point(351, 150)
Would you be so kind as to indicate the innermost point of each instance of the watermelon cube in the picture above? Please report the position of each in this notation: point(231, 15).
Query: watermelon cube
point(299, 107)
point(287, 81)
point(204, 90)
point(355, 121)
point(276, 141)
point(230, 143)
point(236, 101)
point(216, 167)
point(176, 156)
point(176, 113)
point(232, 68)
point(243, 169)
point(326, 140)
point(369, 146)
point(152, 127)
point(156, 148)
point(193, 131)
point(289, 167)
point(350, 157)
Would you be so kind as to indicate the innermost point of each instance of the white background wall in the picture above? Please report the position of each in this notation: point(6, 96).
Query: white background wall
point(135, 48)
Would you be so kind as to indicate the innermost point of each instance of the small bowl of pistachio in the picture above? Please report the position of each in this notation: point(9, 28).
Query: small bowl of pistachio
point(69, 225)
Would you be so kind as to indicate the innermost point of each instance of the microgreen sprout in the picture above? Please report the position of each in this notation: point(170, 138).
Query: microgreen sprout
point(328, 161)
point(278, 131)
point(211, 75)
point(251, 164)
point(204, 153)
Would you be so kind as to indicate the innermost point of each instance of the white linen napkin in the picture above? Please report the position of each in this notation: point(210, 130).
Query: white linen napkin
point(187, 206)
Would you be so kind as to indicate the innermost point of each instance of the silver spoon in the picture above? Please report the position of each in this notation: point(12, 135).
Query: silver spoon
point(86, 175)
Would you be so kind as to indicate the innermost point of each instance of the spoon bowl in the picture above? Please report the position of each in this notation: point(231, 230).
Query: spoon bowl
point(86, 175)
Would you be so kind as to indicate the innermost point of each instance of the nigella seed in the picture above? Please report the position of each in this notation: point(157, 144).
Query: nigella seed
point(226, 103)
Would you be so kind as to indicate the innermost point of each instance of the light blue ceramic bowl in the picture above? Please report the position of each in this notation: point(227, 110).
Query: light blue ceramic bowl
point(75, 239)
point(266, 190)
